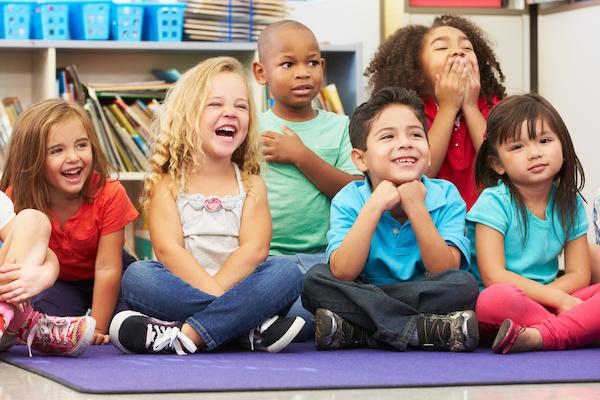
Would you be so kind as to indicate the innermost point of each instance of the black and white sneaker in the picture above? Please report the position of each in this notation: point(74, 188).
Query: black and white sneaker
point(455, 331)
point(133, 332)
point(274, 334)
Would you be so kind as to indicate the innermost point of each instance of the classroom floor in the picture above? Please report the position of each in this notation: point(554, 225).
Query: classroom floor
point(17, 384)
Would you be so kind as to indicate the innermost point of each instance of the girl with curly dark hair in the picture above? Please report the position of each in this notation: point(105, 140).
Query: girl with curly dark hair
point(454, 70)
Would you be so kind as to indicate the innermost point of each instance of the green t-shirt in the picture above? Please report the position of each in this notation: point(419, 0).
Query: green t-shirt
point(300, 211)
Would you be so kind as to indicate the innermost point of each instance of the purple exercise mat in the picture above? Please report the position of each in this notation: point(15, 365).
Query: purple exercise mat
point(103, 369)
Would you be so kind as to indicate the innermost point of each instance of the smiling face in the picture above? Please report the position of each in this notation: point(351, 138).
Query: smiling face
point(530, 161)
point(292, 66)
point(225, 117)
point(396, 149)
point(68, 158)
point(440, 45)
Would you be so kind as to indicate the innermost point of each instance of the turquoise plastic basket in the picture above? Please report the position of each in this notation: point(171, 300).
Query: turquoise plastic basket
point(51, 20)
point(163, 22)
point(89, 19)
point(126, 21)
point(15, 19)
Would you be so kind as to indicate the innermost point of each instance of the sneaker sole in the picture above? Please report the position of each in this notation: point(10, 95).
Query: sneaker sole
point(286, 339)
point(472, 328)
point(88, 335)
point(320, 315)
point(115, 325)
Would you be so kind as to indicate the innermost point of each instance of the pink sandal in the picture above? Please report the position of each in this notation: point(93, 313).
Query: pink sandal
point(507, 336)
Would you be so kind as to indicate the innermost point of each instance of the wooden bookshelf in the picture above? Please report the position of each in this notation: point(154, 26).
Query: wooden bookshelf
point(30, 74)
point(28, 70)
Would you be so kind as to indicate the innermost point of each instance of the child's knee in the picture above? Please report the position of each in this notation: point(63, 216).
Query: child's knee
point(35, 220)
point(494, 302)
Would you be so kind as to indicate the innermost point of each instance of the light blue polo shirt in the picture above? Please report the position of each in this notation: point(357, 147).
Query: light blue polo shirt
point(394, 255)
point(537, 257)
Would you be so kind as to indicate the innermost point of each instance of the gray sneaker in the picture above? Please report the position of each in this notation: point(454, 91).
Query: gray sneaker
point(334, 332)
point(456, 331)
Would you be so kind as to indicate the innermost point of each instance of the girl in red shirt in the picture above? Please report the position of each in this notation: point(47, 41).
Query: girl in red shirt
point(55, 165)
point(452, 66)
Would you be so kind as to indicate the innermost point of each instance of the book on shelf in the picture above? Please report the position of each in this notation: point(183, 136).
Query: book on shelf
point(332, 99)
point(121, 114)
point(10, 109)
point(68, 85)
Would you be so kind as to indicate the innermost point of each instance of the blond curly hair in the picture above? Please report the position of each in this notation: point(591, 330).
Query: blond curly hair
point(177, 148)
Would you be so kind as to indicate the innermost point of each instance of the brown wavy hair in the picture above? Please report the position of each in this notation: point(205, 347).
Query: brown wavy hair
point(27, 151)
point(397, 61)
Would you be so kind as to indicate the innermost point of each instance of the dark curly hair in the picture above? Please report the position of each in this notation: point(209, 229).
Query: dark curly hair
point(398, 59)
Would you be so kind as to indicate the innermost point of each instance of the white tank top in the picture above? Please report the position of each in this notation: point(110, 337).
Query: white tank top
point(211, 225)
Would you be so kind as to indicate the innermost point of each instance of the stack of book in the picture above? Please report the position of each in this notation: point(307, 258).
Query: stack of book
point(230, 20)
point(10, 109)
point(122, 116)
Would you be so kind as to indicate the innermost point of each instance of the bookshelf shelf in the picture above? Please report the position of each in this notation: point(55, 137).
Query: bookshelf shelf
point(28, 69)
point(129, 176)
point(31, 74)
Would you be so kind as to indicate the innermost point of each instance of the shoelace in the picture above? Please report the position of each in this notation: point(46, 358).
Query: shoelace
point(48, 329)
point(171, 336)
point(437, 331)
point(260, 329)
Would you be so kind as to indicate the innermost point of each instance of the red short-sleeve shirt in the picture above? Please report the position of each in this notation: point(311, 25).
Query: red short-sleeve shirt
point(459, 165)
point(76, 243)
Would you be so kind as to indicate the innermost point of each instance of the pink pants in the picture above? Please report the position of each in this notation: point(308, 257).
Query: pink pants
point(575, 328)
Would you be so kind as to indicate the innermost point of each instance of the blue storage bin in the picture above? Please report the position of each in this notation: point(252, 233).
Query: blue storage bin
point(15, 19)
point(163, 22)
point(126, 21)
point(51, 20)
point(89, 19)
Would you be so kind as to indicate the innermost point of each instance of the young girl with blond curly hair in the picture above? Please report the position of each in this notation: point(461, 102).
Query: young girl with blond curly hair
point(210, 227)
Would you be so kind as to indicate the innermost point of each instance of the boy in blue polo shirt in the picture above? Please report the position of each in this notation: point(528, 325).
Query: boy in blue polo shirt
point(397, 249)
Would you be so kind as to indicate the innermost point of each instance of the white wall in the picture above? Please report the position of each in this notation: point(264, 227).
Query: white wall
point(569, 77)
point(341, 22)
point(509, 35)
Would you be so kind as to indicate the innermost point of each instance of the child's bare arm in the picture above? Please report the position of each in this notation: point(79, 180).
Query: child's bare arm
point(255, 237)
point(107, 282)
point(437, 255)
point(347, 262)
point(166, 234)
point(489, 245)
point(577, 266)
point(449, 93)
point(288, 148)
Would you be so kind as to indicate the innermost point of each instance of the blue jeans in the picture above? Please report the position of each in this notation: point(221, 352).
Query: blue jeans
point(304, 262)
point(152, 289)
point(389, 312)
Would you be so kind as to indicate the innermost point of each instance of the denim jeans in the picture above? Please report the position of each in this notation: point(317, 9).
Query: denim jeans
point(152, 289)
point(304, 262)
point(72, 298)
point(389, 311)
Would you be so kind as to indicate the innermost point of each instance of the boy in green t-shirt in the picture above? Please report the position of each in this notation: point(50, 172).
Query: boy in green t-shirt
point(307, 150)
